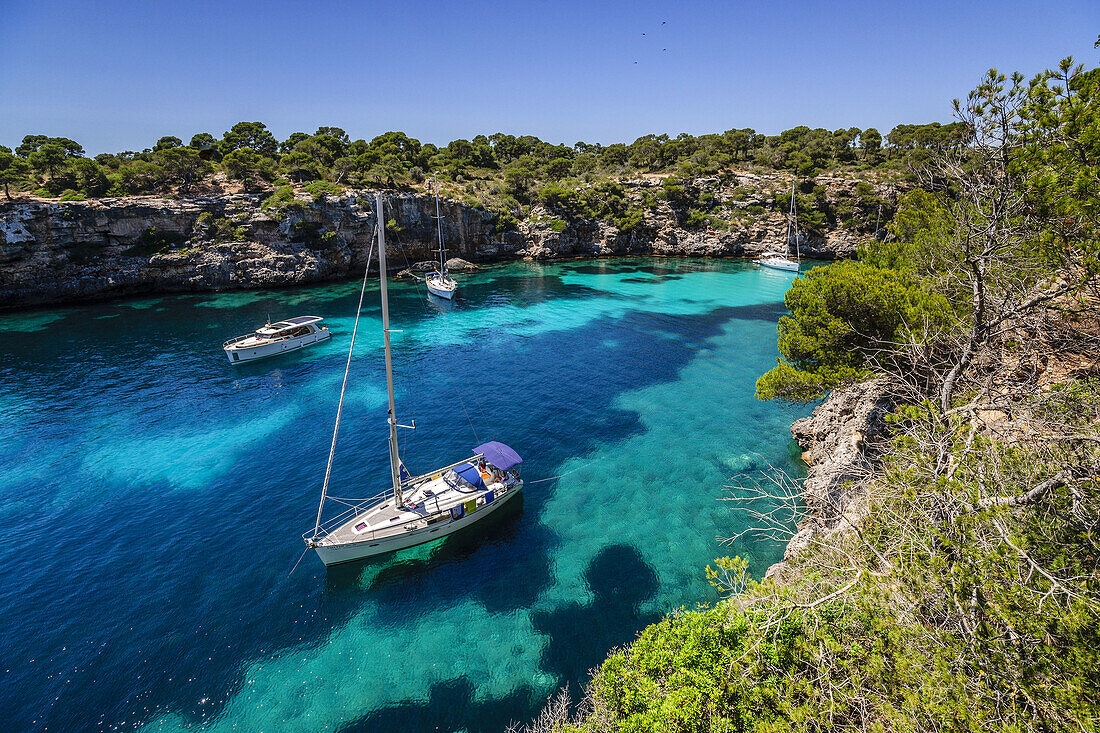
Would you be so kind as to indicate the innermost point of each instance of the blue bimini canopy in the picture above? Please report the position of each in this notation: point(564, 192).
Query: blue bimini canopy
point(470, 474)
point(499, 455)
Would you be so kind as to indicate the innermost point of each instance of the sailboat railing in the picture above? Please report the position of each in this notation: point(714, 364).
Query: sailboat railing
point(372, 534)
point(329, 525)
point(326, 527)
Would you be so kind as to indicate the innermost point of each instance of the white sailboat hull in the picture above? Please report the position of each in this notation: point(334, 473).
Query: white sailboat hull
point(336, 554)
point(778, 263)
point(445, 289)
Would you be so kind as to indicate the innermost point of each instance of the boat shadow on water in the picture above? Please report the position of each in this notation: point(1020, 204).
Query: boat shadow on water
point(579, 635)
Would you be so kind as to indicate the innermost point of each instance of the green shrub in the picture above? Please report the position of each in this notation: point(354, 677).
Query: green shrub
point(630, 220)
point(219, 228)
point(504, 221)
point(155, 241)
point(280, 202)
point(319, 189)
point(695, 219)
point(839, 314)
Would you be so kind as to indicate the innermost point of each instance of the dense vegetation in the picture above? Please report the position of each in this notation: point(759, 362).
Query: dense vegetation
point(249, 153)
point(505, 174)
point(967, 596)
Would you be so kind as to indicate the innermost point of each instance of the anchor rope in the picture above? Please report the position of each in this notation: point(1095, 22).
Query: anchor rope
point(560, 475)
point(297, 563)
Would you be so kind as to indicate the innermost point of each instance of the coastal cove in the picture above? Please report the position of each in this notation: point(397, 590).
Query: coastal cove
point(173, 489)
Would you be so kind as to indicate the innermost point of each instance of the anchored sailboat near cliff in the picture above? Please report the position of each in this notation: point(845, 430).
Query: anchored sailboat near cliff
point(416, 509)
point(782, 260)
point(440, 282)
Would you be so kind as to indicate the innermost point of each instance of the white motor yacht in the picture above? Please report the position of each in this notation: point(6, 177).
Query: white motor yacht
point(276, 338)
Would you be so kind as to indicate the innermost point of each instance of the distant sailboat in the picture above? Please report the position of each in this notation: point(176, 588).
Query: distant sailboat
point(440, 282)
point(415, 509)
point(782, 260)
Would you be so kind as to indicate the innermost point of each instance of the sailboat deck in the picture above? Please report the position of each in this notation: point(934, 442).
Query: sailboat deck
point(433, 502)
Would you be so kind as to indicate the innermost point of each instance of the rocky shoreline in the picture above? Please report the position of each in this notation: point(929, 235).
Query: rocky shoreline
point(842, 441)
point(64, 252)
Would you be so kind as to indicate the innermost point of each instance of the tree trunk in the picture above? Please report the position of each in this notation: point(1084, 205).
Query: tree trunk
point(977, 334)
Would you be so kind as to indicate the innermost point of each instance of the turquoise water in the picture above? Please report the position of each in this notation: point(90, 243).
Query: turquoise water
point(153, 495)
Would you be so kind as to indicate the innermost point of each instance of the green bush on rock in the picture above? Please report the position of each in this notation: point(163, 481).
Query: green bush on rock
point(840, 315)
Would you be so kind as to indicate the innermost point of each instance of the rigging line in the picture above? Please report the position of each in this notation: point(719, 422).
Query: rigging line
point(344, 387)
point(481, 412)
point(471, 422)
point(408, 264)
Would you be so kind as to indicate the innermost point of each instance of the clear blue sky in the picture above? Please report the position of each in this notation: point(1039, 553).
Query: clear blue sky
point(117, 75)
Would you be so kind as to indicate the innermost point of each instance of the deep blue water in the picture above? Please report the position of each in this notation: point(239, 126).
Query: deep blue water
point(153, 495)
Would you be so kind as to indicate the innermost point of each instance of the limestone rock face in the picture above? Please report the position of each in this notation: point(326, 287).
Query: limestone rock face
point(456, 264)
point(68, 251)
point(840, 443)
point(58, 252)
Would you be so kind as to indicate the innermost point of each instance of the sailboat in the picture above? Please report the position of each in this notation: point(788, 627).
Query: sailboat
point(782, 260)
point(439, 282)
point(415, 509)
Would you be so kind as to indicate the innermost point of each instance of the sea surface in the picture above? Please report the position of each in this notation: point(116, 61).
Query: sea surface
point(153, 496)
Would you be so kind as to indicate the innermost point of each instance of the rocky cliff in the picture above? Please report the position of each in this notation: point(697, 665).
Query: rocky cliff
point(841, 442)
point(54, 252)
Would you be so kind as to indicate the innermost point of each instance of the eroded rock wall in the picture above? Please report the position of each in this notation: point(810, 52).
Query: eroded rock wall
point(52, 252)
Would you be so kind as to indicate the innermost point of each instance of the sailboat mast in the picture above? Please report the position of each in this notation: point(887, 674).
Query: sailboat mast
point(438, 225)
point(395, 460)
point(790, 225)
